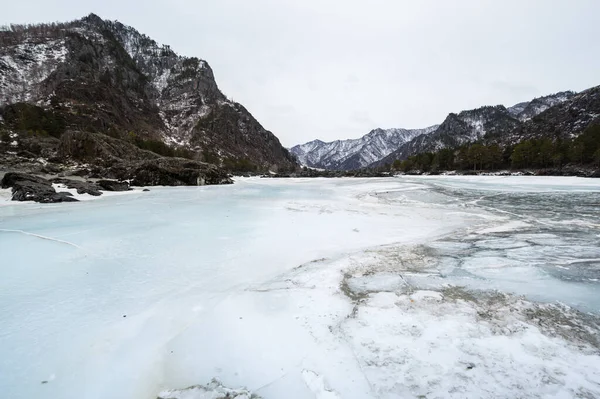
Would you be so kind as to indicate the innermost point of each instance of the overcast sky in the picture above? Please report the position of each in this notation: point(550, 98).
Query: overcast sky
point(335, 69)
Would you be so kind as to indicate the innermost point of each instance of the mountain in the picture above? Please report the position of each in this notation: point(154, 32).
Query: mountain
point(565, 120)
point(527, 110)
point(494, 124)
point(456, 130)
point(106, 78)
point(356, 153)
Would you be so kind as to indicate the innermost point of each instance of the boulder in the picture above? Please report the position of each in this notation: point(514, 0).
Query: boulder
point(60, 197)
point(113, 185)
point(33, 188)
point(11, 178)
point(82, 187)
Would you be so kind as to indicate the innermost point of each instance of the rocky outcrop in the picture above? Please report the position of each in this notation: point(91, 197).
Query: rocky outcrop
point(32, 188)
point(99, 149)
point(113, 185)
point(174, 172)
point(82, 187)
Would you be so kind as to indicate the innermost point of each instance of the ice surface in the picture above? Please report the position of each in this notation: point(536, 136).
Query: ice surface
point(306, 288)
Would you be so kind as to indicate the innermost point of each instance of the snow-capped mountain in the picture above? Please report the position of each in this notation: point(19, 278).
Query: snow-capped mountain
point(527, 110)
point(500, 125)
point(355, 153)
point(105, 77)
point(564, 120)
point(384, 146)
point(456, 130)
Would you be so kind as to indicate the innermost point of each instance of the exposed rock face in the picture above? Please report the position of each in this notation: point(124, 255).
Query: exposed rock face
point(62, 83)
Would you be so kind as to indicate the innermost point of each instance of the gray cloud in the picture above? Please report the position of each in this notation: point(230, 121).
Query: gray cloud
point(336, 66)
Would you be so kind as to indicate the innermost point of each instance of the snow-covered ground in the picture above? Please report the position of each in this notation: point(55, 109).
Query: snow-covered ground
point(411, 287)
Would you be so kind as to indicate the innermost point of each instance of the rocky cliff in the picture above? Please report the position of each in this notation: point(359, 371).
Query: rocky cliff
point(105, 78)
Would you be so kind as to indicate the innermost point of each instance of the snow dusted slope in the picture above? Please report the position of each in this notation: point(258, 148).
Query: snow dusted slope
point(105, 77)
point(527, 110)
point(564, 114)
point(355, 154)
point(564, 120)
point(384, 146)
point(456, 130)
point(25, 66)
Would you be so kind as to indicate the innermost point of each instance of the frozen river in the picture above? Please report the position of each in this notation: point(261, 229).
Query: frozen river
point(301, 288)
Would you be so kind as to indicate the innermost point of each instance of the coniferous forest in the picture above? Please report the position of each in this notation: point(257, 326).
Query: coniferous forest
point(531, 153)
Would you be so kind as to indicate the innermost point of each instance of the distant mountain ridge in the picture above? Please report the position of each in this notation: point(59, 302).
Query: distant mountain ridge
point(354, 153)
point(456, 130)
point(379, 147)
point(561, 115)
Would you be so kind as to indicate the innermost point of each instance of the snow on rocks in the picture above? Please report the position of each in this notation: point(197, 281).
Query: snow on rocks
point(28, 64)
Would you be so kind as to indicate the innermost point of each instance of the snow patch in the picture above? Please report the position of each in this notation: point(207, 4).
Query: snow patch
point(213, 390)
point(316, 383)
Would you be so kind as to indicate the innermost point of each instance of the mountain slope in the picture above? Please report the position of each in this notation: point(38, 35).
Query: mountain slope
point(105, 77)
point(357, 153)
point(527, 110)
point(456, 130)
point(564, 120)
point(493, 125)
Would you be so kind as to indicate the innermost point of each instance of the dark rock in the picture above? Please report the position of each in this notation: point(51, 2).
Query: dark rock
point(26, 154)
point(145, 189)
point(174, 172)
point(82, 187)
point(113, 185)
point(33, 188)
point(99, 148)
point(59, 197)
point(80, 172)
point(11, 178)
point(51, 169)
point(27, 190)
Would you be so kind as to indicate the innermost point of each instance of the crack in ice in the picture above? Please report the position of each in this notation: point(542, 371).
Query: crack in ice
point(40, 236)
